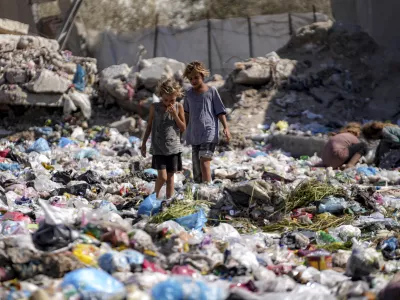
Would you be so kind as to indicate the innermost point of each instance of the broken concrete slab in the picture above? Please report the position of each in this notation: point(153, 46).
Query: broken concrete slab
point(124, 125)
point(13, 27)
point(49, 82)
point(285, 68)
point(16, 96)
point(115, 72)
point(253, 73)
point(8, 42)
point(12, 94)
point(16, 76)
point(51, 100)
point(37, 42)
point(154, 69)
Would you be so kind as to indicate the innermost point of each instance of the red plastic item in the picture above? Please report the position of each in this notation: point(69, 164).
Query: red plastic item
point(4, 153)
point(183, 270)
point(15, 216)
point(147, 265)
point(280, 269)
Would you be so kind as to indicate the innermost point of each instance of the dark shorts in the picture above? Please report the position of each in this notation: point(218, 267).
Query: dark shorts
point(171, 163)
point(205, 150)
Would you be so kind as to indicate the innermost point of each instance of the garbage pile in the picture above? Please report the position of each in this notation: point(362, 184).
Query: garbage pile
point(34, 72)
point(78, 220)
point(327, 69)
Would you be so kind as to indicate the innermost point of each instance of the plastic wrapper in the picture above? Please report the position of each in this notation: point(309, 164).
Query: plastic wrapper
point(64, 142)
point(224, 232)
point(40, 145)
point(186, 288)
point(11, 228)
point(150, 206)
point(346, 232)
point(93, 283)
point(44, 184)
point(86, 153)
point(363, 262)
point(194, 221)
point(172, 226)
point(332, 205)
point(87, 254)
point(114, 262)
point(133, 257)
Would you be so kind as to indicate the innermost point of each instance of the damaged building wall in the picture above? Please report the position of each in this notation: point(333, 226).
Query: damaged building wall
point(378, 18)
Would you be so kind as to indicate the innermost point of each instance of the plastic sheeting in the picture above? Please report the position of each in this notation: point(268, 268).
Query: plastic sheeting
point(229, 41)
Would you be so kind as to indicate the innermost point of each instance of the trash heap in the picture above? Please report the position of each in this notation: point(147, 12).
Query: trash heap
point(327, 69)
point(79, 220)
point(34, 72)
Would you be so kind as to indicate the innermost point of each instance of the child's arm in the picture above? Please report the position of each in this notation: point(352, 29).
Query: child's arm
point(220, 111)
point(179, 116)
point(222, 119)
point(186, 110)
point(148, 131)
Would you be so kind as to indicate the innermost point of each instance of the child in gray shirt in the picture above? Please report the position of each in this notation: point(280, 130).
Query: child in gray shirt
point(203, 108)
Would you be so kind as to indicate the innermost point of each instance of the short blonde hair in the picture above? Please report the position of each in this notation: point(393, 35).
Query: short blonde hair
point(196, 67)
point(169, 87)
point(352, 127)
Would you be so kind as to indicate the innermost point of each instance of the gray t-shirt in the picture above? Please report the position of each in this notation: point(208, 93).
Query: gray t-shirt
point(203, 110)
point(165, 133)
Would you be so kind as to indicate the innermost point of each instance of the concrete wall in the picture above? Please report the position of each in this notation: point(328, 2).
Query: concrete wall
point(379, 18)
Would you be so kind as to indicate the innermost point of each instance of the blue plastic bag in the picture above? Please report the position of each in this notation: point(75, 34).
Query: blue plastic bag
point(9, 167)
point(151, 172)
point(185, 288)
point(65, 142)
point(114, 261)
point(86, 153)
point(133, 140)
point(106, 205)
point(40, 145)
point(367, 171)
point(94, 284)
point(256, 153)
point(44, 130)
point(195, 221)
point(79, 78)
point(150, 206)
point(134, 257)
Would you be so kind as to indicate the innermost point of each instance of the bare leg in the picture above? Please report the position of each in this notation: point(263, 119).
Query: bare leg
point(354, 160)
point(205, 164)
point(197, 177)
point(161, 179)
point(170, 185)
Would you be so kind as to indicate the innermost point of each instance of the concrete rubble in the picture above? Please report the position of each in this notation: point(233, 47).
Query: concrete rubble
point(132, 88)
point(13, 27)
point(34, 72)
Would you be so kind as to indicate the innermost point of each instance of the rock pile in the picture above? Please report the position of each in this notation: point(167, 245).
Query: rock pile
point(34, 72)
point(325, 70)
point(133, 87)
